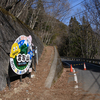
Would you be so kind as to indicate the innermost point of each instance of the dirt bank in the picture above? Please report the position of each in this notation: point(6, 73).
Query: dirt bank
point(34, 88)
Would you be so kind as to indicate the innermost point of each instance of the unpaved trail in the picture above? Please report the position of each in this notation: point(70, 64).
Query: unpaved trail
point(34, 88)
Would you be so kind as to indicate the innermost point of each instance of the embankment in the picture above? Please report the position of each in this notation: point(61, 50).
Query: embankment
point(55, 70)
point(10, 29)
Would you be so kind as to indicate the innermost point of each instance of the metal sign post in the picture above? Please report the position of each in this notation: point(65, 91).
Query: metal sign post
point(36, 51)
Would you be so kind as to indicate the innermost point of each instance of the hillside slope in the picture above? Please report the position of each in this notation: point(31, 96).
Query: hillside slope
point(10, 29)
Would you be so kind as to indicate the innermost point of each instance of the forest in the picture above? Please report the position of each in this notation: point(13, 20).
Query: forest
point(80, 38)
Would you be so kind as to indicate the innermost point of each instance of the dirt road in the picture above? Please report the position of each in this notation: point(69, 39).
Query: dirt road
point(34, 88)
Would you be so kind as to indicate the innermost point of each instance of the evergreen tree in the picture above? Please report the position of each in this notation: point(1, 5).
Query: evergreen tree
point(88, 43)
point(82, 40)
point(74, 38)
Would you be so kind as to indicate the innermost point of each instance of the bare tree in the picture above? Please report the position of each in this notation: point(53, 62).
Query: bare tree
point(93, 12)
point(57, 8)
point(93, 16)
point(40, 15)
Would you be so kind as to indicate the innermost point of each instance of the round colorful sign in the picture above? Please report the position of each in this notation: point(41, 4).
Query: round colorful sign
point(21, 55)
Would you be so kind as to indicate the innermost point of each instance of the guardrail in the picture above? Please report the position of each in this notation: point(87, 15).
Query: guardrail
point(95, 61)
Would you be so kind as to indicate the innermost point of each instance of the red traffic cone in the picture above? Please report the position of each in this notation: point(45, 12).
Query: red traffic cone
point(84, 66)
point(71, 69)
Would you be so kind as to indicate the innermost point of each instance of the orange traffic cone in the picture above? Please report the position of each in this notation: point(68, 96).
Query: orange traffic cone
point(84, 66)
point(71, 69)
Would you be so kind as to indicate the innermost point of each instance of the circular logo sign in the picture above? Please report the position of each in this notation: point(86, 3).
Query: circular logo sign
point(21, 55)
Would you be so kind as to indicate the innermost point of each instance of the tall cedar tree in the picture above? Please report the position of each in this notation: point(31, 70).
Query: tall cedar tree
point(74, 38)
point(88, 40)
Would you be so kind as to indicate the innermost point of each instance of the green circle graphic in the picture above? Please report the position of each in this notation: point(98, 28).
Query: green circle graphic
point(23, 49)
point(19, 67)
